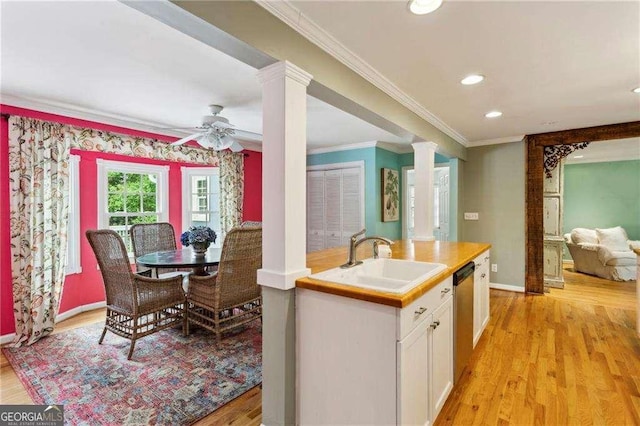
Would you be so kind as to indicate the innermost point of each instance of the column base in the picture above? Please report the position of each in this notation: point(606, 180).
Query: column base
point(281, 280)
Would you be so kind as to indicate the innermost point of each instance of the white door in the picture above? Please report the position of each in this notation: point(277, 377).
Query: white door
point(441, 204)
point(351, 204)
point(333, 208)
point(315, 211)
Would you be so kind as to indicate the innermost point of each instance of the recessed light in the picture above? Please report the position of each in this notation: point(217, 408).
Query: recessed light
point(472, 79)
point(636, 90)
point(578, 156)
point(493, 114)
point(422, 7)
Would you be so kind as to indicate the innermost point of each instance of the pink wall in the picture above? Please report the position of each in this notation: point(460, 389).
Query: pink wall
point(87, 287)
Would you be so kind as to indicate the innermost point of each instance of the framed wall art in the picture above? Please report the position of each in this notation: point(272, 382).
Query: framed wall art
point(390, 195)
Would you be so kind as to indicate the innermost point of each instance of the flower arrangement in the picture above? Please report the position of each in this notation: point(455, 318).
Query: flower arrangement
point(198, 235)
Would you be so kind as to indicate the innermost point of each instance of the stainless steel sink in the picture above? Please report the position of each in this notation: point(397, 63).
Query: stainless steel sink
point(389, 275)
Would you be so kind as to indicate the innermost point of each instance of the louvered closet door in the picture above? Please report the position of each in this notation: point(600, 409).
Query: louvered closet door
point(333, 208)
point(351, 203)
point(315, 211)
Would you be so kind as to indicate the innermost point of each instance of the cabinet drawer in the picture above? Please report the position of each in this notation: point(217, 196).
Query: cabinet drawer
point(423, 307)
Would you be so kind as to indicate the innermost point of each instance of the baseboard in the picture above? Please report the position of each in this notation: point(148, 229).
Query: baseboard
point(79, 309)
point(7, 338)
point(507, 287)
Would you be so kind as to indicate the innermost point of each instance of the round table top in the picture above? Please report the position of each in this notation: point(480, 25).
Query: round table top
point(180, 258)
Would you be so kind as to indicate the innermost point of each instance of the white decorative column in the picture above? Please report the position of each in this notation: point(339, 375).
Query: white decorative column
point(423, 164)
point(284, 163)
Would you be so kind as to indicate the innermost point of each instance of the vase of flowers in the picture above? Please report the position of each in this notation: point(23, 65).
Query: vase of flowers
point(199, 238)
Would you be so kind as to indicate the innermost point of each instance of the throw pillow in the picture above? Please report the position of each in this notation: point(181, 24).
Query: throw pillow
point(584, 235)
point(615, 239)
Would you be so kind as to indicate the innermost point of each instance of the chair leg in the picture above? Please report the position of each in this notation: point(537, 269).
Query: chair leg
point(185, 319)
point(133, 345)
point(104, 331)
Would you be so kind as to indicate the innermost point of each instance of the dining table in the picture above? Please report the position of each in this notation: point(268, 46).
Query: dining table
point(182, 258)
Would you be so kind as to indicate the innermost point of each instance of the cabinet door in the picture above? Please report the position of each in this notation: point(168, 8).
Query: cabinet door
point(553, 260)
point(551, 209)
point(441, 356)
point(315, 211)
point(333, 208)
point(413, 376)
point(351, 203)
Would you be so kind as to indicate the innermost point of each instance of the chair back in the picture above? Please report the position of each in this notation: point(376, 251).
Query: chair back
point(114, 266)
point(240, 260)
point(151, 237)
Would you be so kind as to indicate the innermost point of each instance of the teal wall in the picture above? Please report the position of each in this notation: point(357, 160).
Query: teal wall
point(389, 160)
point(374, 160)
point(602, 195)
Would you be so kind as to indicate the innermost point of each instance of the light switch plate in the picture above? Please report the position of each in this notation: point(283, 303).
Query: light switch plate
point(471, 216)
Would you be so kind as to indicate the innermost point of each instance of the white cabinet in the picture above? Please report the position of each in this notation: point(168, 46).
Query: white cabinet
point(364, 363)
point(481, 307)
point(335, 207)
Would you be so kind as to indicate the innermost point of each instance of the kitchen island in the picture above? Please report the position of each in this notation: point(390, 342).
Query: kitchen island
point(374, 357)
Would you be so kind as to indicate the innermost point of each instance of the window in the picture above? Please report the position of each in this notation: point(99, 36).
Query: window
point(73, 230)
point(201, 199)
point(130, 193)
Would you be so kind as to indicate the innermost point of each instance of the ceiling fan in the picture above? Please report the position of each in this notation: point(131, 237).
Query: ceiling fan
point(215, 132)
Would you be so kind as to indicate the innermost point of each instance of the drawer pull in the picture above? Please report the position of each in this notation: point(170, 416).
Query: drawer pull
point(445, 291)
point(435, 324)
point(483, 275)
point(421, 311)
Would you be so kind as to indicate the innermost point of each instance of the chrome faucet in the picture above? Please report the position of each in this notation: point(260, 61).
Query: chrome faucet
point(354, 242)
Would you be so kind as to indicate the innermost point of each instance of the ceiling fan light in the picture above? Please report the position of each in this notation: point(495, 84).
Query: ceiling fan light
point(422, 7)
point(225, 142)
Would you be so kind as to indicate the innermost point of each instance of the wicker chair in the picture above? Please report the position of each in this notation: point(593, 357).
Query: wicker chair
point(136, 305)
point(151, 237)
point(231, 297)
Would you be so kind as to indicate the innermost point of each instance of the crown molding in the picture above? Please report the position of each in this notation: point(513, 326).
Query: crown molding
point(496, 141)
point(396, 148)
point(294, 18)
point(73, 111)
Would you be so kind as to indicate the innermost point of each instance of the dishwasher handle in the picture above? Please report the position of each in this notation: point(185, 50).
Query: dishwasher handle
point(464, 272)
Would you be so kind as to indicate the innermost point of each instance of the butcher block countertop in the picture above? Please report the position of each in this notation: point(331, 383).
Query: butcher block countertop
point(454, 255)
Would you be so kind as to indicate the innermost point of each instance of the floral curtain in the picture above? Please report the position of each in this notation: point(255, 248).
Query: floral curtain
point(231, 189)
point(115, 143)
point(38, 179)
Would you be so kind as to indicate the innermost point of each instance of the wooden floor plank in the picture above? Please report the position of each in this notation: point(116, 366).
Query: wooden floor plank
point(569, 357)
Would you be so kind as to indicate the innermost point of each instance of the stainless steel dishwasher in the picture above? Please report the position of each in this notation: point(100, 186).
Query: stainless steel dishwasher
point(462, 318)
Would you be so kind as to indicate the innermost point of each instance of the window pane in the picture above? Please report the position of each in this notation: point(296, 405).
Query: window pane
point(132, 180)
point(115, 181)
point(115, 202)
point(133, 203)
point(149, 183)
point(149, 203)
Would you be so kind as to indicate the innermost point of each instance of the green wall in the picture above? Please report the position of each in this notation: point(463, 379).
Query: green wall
point(602, 195)
point(494, 186)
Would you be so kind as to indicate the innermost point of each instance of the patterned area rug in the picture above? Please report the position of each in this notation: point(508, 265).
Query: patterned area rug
point(171, 379)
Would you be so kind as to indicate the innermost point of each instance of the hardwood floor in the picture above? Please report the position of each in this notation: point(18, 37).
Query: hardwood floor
point(571, 356)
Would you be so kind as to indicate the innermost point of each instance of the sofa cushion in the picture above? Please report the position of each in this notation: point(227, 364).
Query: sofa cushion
point(615, 239)
point(616, 258)
point(584, 235)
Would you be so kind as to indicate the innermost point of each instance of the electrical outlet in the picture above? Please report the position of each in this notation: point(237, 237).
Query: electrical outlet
point(471, 216)
point(494, 267)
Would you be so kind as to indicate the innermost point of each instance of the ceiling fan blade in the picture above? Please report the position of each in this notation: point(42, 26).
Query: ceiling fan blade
point(236, 147)
point(186, 139)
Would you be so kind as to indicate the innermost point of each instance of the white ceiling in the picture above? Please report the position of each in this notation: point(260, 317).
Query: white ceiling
point(120, 66)
point(549, 66)
point(615, 150)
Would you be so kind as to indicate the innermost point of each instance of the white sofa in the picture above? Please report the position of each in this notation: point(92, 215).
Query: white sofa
point(606, 253)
